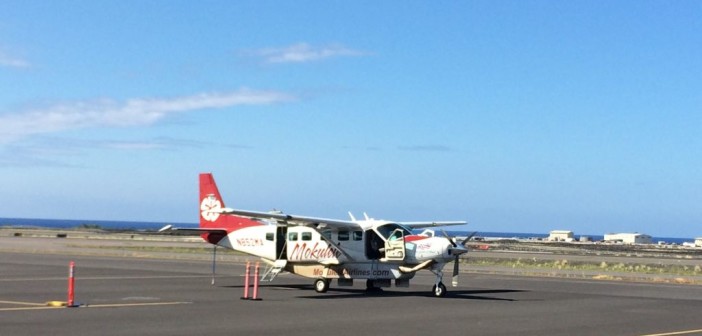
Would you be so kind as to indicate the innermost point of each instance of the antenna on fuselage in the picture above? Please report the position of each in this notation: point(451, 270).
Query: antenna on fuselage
point(353, 219)
point(366, 216)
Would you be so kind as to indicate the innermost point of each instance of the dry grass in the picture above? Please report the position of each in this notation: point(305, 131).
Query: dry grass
point(565, 264)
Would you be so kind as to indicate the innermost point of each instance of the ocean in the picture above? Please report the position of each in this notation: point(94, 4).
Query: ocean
point(74, 223)
point(153, 226)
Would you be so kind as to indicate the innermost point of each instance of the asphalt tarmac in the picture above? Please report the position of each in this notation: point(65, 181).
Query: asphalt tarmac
point(138, 296)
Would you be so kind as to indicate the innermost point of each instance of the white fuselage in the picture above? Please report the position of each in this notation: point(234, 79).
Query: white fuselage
point(370, 253)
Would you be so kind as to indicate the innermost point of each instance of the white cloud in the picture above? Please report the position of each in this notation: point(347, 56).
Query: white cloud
point(303, 52)
point(132, 112)
point(12, 62)
point(134, 145)
point(160, 143)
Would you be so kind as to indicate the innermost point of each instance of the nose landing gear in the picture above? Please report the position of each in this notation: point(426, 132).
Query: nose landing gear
point(439, 290)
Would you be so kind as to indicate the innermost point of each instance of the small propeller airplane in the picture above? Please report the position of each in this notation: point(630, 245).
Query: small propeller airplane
point(378, 251)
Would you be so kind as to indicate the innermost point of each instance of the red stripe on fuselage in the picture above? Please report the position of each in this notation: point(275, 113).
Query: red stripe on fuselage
point(412, 238)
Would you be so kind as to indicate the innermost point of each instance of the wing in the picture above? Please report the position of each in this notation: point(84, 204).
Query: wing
point(322, 223)
point(420, 225)
point(285, 219)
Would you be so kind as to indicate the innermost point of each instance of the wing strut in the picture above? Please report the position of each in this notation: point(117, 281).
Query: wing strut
point(336, 245)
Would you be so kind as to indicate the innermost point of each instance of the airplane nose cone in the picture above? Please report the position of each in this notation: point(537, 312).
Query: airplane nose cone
point(458, 250)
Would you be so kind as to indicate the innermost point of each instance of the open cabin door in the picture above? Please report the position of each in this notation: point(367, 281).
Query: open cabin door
point(281, 254)
point(281, 243)
point(374, 245)
point(395, 246)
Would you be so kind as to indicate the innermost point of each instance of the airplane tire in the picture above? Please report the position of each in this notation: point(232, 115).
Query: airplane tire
point(439, 291)
point(321, 285)
point(371, 288)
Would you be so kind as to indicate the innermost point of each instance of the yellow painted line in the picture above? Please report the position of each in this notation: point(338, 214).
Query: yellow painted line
point(57, 303)
point(29, 308)
point(684, 332)
point(115, 305)
point(24, 303)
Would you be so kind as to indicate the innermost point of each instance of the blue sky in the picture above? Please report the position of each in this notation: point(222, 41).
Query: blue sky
point(522, 116)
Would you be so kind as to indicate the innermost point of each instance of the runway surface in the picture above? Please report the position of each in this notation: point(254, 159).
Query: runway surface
point(135, 296)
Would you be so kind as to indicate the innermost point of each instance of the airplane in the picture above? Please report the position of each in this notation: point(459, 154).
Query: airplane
point(377, 251)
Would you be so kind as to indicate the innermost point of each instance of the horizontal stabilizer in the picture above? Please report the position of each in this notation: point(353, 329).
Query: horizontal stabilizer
point(197, 230)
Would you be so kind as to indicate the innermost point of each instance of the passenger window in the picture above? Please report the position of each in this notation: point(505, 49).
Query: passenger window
point(327, 234)
point(292, 236)
point(270, 236)
point(306, 235)
point(343, 235)
point(358, 235)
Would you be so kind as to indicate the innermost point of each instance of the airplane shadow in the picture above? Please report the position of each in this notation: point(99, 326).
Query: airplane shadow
point(352, 293)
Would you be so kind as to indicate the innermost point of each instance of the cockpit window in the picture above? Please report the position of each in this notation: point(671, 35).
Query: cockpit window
point(387, 229)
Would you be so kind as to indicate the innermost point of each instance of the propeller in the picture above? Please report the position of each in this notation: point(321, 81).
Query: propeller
point(457, 251)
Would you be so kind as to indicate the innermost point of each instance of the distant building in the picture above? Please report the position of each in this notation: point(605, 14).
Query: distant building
point(560, 235)
point(698, 242)
point(628, 238)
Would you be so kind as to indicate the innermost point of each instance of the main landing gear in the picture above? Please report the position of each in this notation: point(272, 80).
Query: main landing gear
point(321, 285)
point(371, 287)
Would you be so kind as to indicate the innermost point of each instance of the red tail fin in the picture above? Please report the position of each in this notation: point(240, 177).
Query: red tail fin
point(210, 200)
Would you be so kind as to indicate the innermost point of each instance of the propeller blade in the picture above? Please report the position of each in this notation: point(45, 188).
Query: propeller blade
point(454, 279)
point(468, 238)
point(449, 238)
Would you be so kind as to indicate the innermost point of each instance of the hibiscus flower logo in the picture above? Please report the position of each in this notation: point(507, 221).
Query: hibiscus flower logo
point(209, 208)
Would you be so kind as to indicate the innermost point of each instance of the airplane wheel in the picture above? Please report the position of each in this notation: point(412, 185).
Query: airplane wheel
point(321, 285)
point(439, 291)
point(372, 288)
